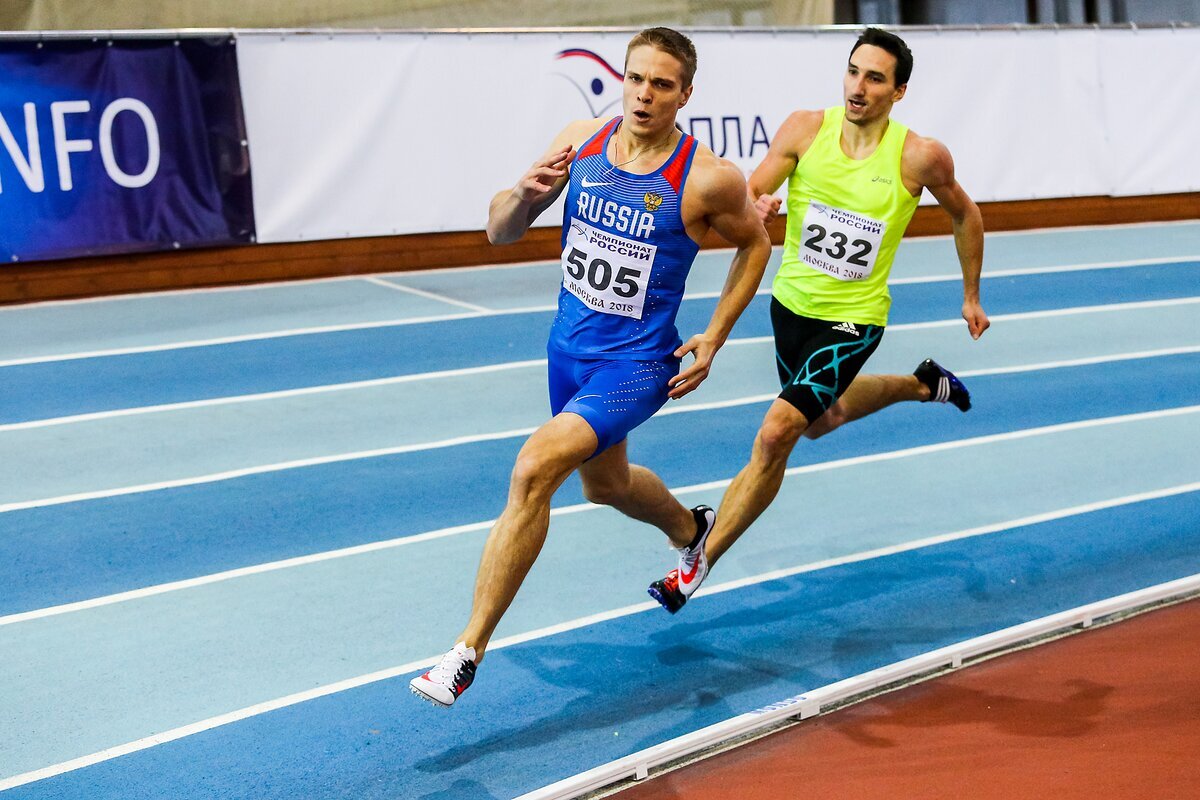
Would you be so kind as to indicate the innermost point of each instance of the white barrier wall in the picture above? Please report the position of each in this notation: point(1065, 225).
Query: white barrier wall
point(375, 134)
point(1150, 80)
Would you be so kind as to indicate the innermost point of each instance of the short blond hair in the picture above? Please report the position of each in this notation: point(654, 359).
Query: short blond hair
point(671, 42)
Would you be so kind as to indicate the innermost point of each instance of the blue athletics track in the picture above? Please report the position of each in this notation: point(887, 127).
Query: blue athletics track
point(234, 523)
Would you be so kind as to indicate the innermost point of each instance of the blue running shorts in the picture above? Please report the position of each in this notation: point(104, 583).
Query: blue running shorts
point(614, 396)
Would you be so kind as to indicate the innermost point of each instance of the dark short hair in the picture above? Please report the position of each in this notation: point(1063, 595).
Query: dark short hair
point(894, 45)
point(671, 42)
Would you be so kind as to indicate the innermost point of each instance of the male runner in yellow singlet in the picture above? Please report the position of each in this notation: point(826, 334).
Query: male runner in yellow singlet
point(854, 178)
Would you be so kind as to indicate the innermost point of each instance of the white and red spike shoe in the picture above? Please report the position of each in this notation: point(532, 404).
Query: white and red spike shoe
point(679, 584)
point(444, 683)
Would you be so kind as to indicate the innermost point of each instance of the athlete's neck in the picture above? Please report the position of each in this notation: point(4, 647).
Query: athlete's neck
point(640, 154)
point(860, 140)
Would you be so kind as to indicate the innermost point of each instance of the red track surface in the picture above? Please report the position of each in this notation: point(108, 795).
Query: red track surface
point(1110, 714)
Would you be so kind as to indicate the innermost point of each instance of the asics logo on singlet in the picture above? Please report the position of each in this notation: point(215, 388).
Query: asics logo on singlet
point(589, 184)
point(618, 217)
point(846, 327)
point(881, 179)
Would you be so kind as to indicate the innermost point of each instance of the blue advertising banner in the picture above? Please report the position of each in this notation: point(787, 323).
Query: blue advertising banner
point(121, 146)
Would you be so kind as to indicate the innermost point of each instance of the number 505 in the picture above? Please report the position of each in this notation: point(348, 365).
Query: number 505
point(600, 274)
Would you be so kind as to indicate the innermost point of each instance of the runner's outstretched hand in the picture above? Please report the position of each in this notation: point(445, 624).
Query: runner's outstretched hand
point(544, 174)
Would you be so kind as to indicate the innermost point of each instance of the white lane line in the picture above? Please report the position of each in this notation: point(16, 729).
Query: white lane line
point(1029, 232)
point(1081, 362)
point(243, 472)
point(262, 469)
point(929, 541)
point(541, 633)
point(404, 541)
point(547, 263)
point(139, 296)
point(1011, 273)
point(441, 298)
point(1057, 312)
point(1034, 232)
point(1020, 315)
point(419, 376)
point(255, 337)
point(480, 311)
point(282, 394)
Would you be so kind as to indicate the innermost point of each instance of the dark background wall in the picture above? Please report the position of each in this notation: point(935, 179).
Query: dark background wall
point(1002, 12)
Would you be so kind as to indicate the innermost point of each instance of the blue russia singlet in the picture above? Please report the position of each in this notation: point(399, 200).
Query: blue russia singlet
point(626, 255)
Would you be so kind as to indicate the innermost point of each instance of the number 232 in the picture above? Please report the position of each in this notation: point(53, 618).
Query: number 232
point(839, 250)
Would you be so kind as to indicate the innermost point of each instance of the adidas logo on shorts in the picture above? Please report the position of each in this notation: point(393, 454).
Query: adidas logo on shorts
point(846, 327)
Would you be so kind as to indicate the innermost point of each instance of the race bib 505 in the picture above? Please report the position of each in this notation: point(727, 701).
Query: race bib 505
point(608, 273)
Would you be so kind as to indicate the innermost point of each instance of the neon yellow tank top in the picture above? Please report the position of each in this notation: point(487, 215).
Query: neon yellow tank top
point(845, 219)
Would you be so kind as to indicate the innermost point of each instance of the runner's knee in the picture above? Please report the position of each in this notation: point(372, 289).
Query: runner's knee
point(776, 438)
point(605, 491)
point(534, 473)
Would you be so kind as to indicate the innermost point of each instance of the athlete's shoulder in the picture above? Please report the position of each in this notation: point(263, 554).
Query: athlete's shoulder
point(579, 131)
point(798, 130)
point(715, 180)
point(927, 160)
point(803, 121)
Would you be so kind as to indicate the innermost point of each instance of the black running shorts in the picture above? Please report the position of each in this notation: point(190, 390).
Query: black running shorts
point(817, 359)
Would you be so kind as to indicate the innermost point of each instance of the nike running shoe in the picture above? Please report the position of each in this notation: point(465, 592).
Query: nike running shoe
point(444, 683)
point(944, 387)
point(675, 589)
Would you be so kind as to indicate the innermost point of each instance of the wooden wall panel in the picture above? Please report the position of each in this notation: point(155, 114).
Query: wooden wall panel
point(87, 277)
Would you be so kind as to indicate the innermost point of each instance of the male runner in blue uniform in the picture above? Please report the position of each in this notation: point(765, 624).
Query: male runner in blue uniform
point(641, 194)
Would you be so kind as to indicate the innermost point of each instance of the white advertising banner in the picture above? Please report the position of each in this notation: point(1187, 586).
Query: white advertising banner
point(1150, 80)
point(376, 134)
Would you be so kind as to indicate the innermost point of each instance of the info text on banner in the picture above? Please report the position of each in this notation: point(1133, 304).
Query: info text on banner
point(121, 146)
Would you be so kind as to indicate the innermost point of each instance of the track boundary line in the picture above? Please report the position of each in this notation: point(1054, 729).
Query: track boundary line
point(806, 704)
point(534, 309)
point(404, 541)
point(835, 695)
point(438, 374)
point(458, 441)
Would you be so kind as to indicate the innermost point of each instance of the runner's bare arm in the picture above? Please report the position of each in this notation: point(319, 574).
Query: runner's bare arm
point(791, 142)
point(513, 210)
point(934, 169)
point(729, 213)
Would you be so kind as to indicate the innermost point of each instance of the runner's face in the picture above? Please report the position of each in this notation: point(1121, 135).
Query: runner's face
point(653, 91)
point(869, 86)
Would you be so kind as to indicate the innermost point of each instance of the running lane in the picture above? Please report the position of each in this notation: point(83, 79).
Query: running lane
point(603, 691)
point(159, 661)
point(44, 462)
point(74, 551)
point(54, 389)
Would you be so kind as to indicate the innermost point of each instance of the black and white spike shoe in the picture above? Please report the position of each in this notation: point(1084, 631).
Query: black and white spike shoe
point(944, 386)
